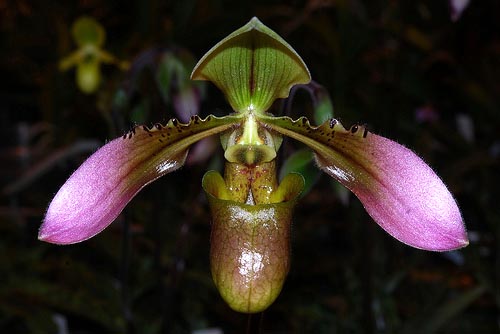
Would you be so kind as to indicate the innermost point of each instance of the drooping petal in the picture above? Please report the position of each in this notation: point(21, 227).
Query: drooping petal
point(302, 162)
point(100, 188)
point(253, 66)
point(397, 188)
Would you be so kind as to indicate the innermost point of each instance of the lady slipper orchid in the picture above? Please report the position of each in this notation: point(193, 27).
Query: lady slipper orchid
point(251, 210)
point(89, 36)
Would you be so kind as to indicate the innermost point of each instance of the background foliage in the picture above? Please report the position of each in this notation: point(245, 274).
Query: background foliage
point(404, 68)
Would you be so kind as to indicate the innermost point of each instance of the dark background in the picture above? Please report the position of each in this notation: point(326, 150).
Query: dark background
point(404, 68)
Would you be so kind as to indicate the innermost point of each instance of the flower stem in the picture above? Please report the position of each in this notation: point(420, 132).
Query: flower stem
point(255, 323)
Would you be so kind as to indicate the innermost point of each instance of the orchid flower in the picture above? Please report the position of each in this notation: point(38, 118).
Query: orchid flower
point(251, 210)
point(89, 36)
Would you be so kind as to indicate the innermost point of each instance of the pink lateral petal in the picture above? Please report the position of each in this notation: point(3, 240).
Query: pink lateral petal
point(397, 188)
point(403, 195)
point(102, 186)
point(97, 192)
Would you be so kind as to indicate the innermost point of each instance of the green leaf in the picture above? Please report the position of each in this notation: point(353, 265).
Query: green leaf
point(302, 162)
point(170, 69)
point(323, 107)
point(253, 67)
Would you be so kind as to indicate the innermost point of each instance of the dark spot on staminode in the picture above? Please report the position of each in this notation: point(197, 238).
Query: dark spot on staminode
point(354, 128)
point(158, 126)
point(365, 133)
point(175, 122)
point(333, 121)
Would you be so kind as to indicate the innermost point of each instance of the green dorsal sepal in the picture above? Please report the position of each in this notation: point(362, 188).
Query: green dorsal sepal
point(87, 31)
point(253, 67)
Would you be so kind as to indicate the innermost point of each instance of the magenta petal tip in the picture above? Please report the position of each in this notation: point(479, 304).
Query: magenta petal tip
point(397, 188)
point(408, 200)
point(98, 191)
point(91, 198)
point(101, 187)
